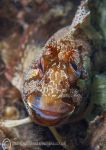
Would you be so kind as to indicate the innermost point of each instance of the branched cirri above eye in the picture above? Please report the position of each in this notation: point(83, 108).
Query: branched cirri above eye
point(78, 72)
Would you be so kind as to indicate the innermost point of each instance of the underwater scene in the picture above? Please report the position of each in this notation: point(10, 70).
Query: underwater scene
point(52, 75)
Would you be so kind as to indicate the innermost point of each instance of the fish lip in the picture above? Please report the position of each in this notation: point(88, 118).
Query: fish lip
point(48, 114)
point(44, 119)
point(49, 117)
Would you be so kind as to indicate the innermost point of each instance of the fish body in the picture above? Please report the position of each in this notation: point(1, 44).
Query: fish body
point(50, 90)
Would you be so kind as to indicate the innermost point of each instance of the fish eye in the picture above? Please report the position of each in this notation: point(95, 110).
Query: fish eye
point(77, 71)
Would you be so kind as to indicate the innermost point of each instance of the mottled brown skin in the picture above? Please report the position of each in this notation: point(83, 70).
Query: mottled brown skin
point(50, 90)
point(50, 83)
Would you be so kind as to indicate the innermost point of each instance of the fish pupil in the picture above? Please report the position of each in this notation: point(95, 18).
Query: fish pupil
point(74, 66)
point(78, 72)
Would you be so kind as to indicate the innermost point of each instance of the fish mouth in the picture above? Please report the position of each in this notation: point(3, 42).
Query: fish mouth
point(49, 114)
point(49, 118)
